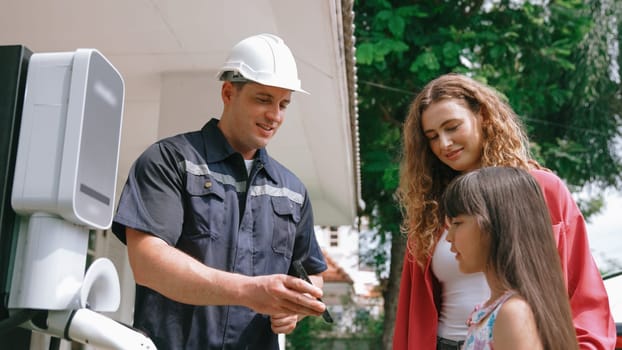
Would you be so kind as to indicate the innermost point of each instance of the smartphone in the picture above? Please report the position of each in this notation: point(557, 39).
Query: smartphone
point(301, 273)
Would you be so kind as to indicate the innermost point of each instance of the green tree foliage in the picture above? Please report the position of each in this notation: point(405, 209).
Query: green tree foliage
point(556, 61)
point(363, 332)
point(306, 333)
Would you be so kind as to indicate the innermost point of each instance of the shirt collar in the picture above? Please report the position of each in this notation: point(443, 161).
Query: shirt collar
point(217, 148)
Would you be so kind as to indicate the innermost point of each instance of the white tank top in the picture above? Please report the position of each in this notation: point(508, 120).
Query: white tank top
point(460, 292)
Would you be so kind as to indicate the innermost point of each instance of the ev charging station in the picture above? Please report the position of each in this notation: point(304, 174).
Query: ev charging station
point(61, 153)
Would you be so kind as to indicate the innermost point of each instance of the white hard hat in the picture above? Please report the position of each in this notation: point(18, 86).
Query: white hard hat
point(264, 59)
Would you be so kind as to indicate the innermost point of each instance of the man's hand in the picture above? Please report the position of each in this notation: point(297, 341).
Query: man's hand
point(282, 294)
point(283, 323)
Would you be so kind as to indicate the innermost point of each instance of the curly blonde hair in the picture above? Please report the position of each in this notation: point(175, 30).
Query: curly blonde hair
point(423, 177)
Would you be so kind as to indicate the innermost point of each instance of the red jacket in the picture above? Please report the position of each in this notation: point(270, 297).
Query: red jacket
point(417, 313)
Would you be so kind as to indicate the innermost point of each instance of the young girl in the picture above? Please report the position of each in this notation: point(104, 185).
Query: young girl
point(456, 125)
point(498, 224)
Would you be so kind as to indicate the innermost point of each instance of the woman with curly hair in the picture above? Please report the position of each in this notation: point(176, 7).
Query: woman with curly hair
point(456, 125)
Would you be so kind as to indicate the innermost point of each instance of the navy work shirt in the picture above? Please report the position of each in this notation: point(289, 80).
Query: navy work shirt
point(194, 192)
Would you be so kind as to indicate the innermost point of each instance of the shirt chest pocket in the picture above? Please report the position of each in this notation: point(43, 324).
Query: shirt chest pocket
point(286, 218)
point(206, 208)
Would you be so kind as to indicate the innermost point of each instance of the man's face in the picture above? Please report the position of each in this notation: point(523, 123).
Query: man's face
point(253, 114)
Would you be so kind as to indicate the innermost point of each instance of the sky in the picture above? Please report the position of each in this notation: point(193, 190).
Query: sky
point(605, 234)
point(605, 229)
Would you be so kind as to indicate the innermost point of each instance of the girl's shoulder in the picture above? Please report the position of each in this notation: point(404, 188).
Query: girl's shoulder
point(516, 309)
point(515, 324)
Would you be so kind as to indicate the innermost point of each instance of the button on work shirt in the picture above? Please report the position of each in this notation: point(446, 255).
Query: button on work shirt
point(193, 191)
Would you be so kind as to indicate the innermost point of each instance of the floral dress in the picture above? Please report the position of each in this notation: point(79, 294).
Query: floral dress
point(481, 323)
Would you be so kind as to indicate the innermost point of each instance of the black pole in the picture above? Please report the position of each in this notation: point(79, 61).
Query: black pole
point(13, 69)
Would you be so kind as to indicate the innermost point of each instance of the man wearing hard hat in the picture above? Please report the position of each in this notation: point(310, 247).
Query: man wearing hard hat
point(213, 224)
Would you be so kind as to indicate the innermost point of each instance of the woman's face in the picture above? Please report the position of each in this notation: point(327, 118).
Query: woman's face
point(454, 134)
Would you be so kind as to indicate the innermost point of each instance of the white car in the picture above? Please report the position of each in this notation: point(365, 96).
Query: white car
point(613, 285)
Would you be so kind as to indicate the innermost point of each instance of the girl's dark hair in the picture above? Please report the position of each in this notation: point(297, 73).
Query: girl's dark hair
point(510, 210)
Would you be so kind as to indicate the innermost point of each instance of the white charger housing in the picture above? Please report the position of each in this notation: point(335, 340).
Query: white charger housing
point(68, 148)
point(65, 179)
point(64, 185)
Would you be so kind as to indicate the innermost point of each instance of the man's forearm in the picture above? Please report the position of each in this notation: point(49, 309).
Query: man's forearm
point(178, 276)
